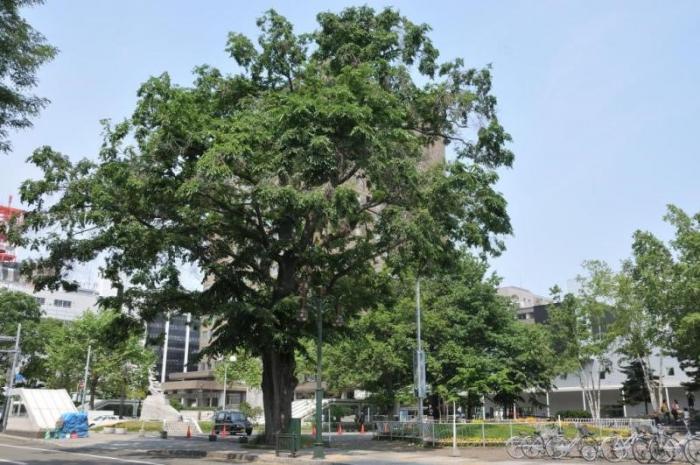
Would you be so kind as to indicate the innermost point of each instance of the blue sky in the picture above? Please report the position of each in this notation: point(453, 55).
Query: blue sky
point(601, 99)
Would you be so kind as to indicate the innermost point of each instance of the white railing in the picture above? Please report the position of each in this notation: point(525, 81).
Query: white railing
point(481, 432)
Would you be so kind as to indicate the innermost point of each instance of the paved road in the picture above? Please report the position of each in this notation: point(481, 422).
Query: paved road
point(19, 452)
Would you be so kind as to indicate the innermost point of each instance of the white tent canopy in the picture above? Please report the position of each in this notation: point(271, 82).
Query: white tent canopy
point(36, 410)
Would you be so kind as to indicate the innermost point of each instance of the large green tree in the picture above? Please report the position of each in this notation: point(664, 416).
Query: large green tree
point(22, 51)
point(295, 176)
point(119, 362)
point(473, 339)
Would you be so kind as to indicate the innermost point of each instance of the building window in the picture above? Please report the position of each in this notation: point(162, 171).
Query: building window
point(40, 300)
point(671, 371)
point(62, 303)
point(602, 374)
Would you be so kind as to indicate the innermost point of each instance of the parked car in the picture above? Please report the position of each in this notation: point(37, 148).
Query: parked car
point(234, 421)
point(104, 420)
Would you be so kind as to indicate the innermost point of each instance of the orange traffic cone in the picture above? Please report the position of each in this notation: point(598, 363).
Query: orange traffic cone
point(313, 430)
point(189, 432)
point(340, 428)
point(362, 428)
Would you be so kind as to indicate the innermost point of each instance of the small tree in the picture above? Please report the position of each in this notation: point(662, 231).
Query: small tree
point(581, 330)
point(119, 362)
point(639, 384)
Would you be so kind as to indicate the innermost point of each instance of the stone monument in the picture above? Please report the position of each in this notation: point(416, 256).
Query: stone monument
point(156, 406)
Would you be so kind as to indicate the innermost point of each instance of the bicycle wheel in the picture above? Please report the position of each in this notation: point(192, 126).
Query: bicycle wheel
point(588, 448)
point(557, 447)
point(614, 449)
point(534, 448)
point(514, 447)
point(663, 450)
point(640, 450)
point(691, 450)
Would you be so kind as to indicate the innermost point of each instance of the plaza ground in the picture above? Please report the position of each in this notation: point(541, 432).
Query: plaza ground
point(131, 449)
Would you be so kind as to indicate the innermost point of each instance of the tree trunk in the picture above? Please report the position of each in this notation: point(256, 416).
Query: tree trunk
point(278, 383)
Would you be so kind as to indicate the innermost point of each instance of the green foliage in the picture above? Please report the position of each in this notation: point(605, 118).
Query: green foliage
point(119, 362)
point(574, 414)
point(582, 329)
point(291, 179)
point(22, 51)
point(249, 411)
point(245, 368)
point(666, 280)
point(17, 307)
point(635, 388)
point(340, 411)
point(471, 335)
point(175, 403)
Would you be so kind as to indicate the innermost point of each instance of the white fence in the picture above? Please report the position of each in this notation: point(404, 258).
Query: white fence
point(490, 432)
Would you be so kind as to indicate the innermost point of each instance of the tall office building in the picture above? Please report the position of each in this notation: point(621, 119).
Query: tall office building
point(175, 339)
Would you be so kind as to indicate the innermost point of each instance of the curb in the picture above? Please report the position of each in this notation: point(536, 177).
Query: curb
point(237, 457)
point(186, 453)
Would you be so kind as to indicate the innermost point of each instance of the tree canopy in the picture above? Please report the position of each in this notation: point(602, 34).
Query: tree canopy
point(301, 174)
point(119, 362)
point(22, 51)
point(473, 339)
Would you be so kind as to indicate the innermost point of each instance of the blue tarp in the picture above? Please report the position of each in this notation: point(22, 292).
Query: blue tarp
point(74, 423)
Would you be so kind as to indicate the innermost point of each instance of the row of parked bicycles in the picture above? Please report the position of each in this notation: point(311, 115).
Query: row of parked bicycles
point(644, 443)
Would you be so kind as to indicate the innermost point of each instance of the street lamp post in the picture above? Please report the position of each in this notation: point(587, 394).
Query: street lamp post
point(318, 445)
point(231, 359)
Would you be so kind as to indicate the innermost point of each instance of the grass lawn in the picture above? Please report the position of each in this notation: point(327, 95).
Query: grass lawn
point(134, 426)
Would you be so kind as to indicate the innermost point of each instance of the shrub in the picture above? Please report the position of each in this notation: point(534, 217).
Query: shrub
point(174, 403)
point(574, 414)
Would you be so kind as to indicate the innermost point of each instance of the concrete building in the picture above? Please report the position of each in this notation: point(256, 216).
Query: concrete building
point(568, 394)
point(522, 298)
point(60, 304)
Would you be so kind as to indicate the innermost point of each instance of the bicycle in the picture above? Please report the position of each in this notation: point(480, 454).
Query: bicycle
point(690, 444)
point(617, 448)
point(663, 447)
point(640, 447)
point(514, 446)
point(559, 447)
point(534, 446)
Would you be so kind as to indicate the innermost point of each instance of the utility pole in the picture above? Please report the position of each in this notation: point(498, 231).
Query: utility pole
point(85, 377)
point(318, 444)
point(230, 359)
point(11, 381)
point(419, 363)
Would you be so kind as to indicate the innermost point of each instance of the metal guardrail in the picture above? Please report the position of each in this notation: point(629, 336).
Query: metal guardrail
point(491, 431)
